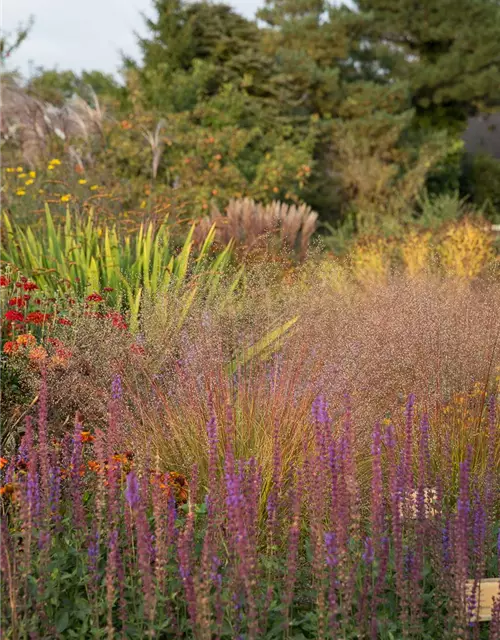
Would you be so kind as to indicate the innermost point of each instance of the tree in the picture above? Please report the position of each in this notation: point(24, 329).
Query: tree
point(189, 50)
point(206, 64)
point(309, 47)
point(448, 51)
point(382, 171)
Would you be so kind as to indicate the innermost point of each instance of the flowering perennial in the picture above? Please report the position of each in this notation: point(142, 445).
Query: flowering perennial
point(139, 552)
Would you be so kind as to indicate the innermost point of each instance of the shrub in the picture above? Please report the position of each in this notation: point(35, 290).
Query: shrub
point(466, 249)
point(483, 182)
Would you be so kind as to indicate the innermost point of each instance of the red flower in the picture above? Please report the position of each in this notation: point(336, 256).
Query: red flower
point(108, 289)
point(117, 320)
point(14, 316)
point(4, 281)
point(137, 348)
point(37, 317)
point(16, 302)
point(64, 321)
point(94, 297)
point(29, 286)
point(37, 301)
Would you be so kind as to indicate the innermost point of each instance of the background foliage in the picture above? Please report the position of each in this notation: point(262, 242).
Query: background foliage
point(355, 111)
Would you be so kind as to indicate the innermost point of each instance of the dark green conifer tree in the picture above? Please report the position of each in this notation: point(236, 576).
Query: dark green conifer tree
point(447, 50)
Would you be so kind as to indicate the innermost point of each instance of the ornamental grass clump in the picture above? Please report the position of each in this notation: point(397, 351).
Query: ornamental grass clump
point(270, 351)
point(97, 537)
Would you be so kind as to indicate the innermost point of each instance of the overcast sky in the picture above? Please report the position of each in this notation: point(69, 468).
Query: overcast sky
point(82, 34)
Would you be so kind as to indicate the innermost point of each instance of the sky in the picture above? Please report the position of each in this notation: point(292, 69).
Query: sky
point(82, 34)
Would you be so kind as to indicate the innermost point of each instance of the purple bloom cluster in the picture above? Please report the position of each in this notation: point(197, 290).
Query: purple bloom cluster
point(355, 543)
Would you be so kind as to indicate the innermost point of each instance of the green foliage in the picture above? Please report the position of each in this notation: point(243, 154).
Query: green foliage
point(482, 181)
point(382, 171)
point(57, 87)
point(350, 110)
point(448, 51)
point(434, 212)
point(446, 174)
point(88, 258)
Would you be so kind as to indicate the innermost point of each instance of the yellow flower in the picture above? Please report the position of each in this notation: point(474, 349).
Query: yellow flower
point(32, 174)
point(94, 187)
point(10, 169)
point(19, 169)
point(41, 190)
point(82, 181)
point(22, 175)
point(50, 167)
point(143, 204)
point(66, 197)
point(20, 192)
point(55, 161)
point(28, 182)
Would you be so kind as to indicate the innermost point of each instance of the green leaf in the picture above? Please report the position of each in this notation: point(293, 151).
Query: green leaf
point(62, 622)
point(264, 347)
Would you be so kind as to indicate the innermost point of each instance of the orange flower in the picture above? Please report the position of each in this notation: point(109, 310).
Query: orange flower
point(10, 347)
point(175, 482)
point(58, 362)
point(3, 462)
point(94, 466)
point(86, 436)
point(26, 339)
point(8, 490)
point(37, 354)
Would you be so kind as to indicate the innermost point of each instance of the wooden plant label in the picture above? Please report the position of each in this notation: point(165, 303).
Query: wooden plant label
point(430, 501)
point(489, 588)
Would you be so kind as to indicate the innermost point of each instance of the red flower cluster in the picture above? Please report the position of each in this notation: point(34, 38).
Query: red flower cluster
point(14, 316)
point(94, 297)
point(18, 302)
point(64, 321)
point(117, 320)
point(37, 317)
point(4, 281)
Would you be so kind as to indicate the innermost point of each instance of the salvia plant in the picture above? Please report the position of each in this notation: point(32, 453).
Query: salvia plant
point(99, 544)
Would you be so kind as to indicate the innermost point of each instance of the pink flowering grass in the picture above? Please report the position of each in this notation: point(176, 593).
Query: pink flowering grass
point(176, 558)
point(428, 337)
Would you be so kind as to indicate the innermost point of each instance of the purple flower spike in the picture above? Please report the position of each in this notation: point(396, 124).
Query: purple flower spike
point(132, 490)
point(116, 388)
